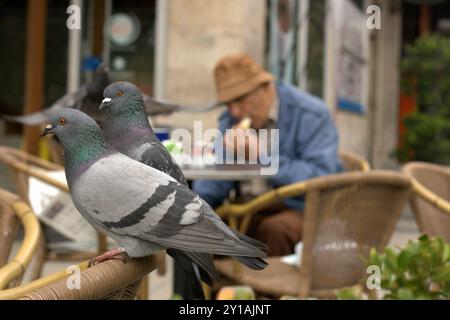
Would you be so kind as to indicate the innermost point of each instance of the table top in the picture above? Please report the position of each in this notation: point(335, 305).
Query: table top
point(232, 172)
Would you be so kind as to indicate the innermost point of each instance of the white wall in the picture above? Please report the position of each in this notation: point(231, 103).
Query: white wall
point(199, 33)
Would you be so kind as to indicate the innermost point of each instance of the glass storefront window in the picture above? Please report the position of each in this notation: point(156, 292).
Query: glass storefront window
point(131, 33)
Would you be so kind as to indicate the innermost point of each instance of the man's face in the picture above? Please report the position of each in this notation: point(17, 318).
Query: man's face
point(254, 105)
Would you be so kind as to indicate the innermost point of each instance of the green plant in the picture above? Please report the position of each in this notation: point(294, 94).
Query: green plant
point(427, 138)
point(421, 270)
point(426, 77)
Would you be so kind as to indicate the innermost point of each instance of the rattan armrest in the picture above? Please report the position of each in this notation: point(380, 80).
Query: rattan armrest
point(351, 162)
point(10, 155)
point(430, 197)
point(29, 165)
point(16, 267)
point(421, 190)
point(247, 210)
point(97, 282)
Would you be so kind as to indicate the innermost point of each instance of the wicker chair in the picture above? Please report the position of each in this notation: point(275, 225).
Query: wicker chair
point(353, 162)
point(13, 212)
point(431, 199)
point(346, 215)
point(238, 220)
point(350, 161)
point(112, 280)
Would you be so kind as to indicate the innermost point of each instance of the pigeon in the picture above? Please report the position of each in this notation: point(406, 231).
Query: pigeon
point(89, 96)
point(127, 129)
point(143, 209)
point(86, 98)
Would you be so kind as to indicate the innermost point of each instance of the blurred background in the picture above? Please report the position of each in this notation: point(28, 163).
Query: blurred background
point(364, 63)
point(381, 66)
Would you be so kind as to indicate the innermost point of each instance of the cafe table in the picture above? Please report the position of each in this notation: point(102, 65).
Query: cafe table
point(231, 172)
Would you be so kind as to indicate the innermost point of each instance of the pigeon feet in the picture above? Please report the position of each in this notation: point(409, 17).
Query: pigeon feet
point(114, 254)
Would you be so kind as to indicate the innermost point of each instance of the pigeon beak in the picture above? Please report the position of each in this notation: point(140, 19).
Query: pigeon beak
point(104, 103)
point(48, 129)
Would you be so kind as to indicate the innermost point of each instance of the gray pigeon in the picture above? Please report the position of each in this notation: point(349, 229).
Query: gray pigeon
point(86, 98)
point(126, 128)
point(128, 131)
point(89, 97)
point(143, 209)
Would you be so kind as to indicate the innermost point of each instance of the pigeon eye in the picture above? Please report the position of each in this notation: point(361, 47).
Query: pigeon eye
point(62, 121)
point(119, 93)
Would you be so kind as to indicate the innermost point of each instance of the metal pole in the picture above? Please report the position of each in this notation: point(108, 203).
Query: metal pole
point(74, 54)
point(161, 27)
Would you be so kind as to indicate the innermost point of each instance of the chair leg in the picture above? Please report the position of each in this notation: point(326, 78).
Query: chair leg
point(40, 258)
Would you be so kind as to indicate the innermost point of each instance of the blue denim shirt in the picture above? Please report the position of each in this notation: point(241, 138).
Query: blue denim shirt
point(308, 145)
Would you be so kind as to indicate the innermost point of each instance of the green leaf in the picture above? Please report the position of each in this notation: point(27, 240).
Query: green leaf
point(374, 258)
point(404, 258)
point(405, 294)
point(348, 294)
point(447, 289)
point(391, 259)
point(446, 253)
point(443, 275)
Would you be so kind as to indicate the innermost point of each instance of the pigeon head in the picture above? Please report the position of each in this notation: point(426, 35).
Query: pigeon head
point(81, 139)
point(73, 128)
point(122, 98)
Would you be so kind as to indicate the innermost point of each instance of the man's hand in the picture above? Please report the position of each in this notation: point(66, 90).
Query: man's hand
point(240, 140)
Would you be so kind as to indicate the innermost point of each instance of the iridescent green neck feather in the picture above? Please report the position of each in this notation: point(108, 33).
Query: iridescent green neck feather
point(83, 149)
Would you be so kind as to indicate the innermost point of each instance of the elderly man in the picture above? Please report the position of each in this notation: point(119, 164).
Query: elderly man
point(308, 142)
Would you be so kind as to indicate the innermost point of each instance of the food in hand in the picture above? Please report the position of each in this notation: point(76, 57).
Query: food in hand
point(245, 123)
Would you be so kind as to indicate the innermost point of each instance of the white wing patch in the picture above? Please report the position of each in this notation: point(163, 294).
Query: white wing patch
point(192, 212)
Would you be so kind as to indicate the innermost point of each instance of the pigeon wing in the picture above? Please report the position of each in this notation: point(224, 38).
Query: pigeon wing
point(157, 156)
point(70, 100)
point(155, 107)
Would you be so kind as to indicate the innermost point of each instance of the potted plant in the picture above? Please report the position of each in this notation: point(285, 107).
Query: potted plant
point(426, 78)
point(421, 270)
